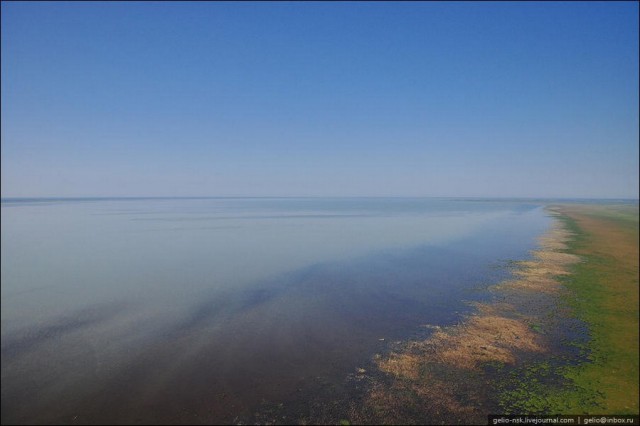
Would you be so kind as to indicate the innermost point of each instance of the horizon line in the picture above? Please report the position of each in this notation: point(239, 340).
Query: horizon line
point(202, 197)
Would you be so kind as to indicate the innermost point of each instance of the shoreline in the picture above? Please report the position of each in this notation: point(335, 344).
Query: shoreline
point(530, 332)
point(521, 347)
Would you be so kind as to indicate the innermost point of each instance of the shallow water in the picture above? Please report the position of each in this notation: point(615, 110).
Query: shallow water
point(204, 310)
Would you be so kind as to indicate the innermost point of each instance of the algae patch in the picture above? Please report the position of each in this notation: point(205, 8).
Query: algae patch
point(463, 372)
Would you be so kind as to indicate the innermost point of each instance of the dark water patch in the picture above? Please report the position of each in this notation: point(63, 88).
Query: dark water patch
point(11, 294)
point(46, 369)
point(19, 342)
point(224, 305)
point(422, 284)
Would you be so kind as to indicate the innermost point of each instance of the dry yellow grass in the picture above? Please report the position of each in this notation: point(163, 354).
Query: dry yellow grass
point(484, 338)
point(540, 274)
point(496, 332)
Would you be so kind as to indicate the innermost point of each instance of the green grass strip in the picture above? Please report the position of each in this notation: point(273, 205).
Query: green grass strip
point(603, 292)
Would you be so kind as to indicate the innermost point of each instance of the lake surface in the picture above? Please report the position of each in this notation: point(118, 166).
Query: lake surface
point(209, 310)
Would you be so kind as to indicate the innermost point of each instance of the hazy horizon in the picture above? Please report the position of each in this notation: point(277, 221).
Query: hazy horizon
point(471, 100)
point(204, 197)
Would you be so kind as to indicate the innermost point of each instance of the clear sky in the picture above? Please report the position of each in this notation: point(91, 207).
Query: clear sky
point(320, 99)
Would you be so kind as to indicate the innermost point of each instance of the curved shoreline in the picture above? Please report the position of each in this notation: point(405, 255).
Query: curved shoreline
point(446, 378)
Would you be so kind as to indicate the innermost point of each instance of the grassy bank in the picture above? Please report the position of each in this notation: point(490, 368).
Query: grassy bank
point(605, 295)
point(602, 292)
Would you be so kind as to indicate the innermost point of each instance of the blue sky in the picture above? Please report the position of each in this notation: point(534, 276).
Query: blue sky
point(320, 99)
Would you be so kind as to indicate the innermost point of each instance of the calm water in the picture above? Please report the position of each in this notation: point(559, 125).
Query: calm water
point(206, 310)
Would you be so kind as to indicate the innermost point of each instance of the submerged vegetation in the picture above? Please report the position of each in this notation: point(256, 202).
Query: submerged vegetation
point(602, 291)
point(561, 337)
